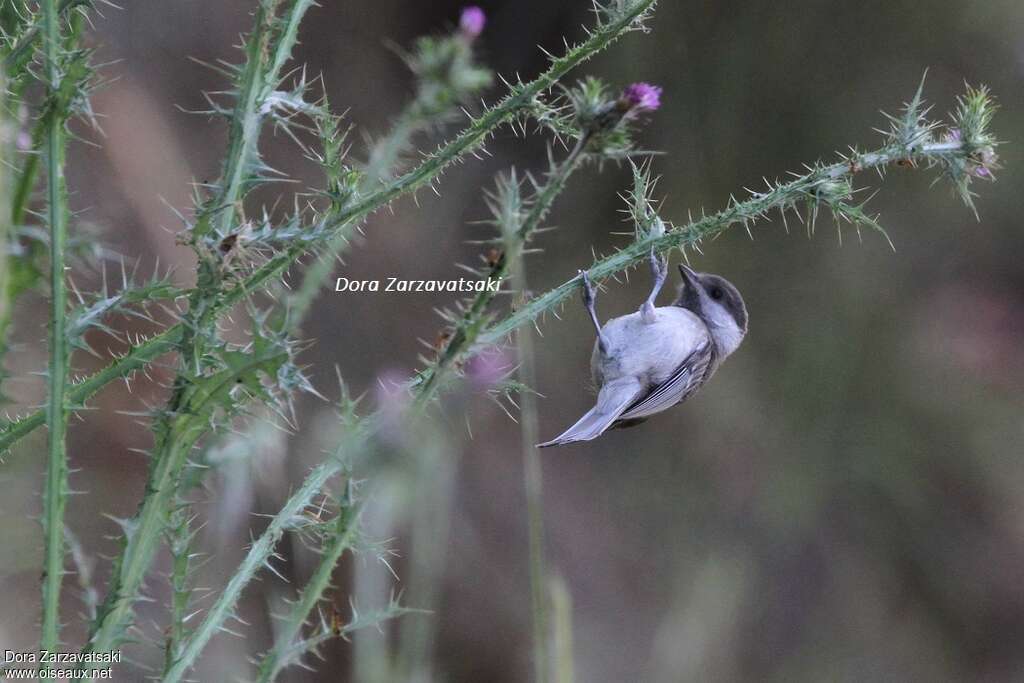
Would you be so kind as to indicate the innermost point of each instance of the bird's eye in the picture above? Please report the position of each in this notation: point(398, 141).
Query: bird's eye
point(716, 293)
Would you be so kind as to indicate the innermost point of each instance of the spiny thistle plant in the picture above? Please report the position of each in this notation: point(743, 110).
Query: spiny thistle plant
point(243, 253)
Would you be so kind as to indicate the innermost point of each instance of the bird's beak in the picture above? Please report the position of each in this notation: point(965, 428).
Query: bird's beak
point(689, 276)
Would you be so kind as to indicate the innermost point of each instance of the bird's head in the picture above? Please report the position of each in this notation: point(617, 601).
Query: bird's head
point(718, 303)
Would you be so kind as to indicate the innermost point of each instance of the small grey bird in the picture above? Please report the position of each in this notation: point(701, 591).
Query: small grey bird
point(649, 361)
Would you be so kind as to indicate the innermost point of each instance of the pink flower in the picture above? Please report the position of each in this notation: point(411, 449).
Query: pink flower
point(472, 21)
point(489, 367)
point(642, 96)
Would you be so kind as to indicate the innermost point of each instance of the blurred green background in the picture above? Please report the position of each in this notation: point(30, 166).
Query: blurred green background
point(845, 501)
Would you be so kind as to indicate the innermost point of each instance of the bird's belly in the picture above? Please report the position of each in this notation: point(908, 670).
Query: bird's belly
point(648, 351)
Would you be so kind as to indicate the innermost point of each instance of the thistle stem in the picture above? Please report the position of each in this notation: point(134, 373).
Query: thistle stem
point(533, 487)
point(55, 493)
point(143, 533)
point(177, 428)
point(782, 197)
point(29, 37)
point(343, 533)
point(259, 554)
point(6, 225)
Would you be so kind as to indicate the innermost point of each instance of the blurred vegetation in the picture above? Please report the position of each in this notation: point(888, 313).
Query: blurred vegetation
point(844, 502)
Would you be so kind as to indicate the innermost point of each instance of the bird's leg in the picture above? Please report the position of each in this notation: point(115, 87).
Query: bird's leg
point(588, 303)
point(659, 271)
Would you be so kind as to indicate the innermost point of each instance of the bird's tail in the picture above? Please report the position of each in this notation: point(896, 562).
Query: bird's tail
point(613, 400)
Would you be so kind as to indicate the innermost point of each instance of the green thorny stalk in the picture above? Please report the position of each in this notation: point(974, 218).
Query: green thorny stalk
point(55, 493)
point(331, 538)
point(180, 543)
point(348, 211)
point(8, 137)
point(339, 537)
point(332, 530)
point(291, 517)
point(209, 373)
point(964, 152)
point(20, 50)
point(19, 30)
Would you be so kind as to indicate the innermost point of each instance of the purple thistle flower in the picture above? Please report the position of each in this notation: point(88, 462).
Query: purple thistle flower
point(472, 21)
point(642, 96)
point(488, 368)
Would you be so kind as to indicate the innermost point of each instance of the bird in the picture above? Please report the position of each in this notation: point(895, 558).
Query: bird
point(648, 361)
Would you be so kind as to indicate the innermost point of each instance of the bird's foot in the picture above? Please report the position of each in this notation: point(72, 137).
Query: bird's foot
point(588, 290)
point(589, 298)
point(659, 271)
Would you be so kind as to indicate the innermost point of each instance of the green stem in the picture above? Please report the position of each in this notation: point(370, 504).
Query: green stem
point(518, 101)
point(260, 76)
point(137, 358)
point(7, 123)
point(177, 428)
point(561, 608)
point(342, 535)
point(142, 534)
point(24, 186)
point(179, 542)
point(55, 494)
point(429, 508)
point(783, 196)
point(21, 50)
point(533, 482)
point(375, 618)
point(516, 234)
point(258, 555)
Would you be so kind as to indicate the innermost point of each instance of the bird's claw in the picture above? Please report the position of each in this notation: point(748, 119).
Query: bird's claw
point(659, 266)
point(659, 272)
point(588, 289)
point(588, 303)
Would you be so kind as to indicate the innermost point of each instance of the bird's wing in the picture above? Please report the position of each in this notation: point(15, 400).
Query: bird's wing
point(686, 379)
